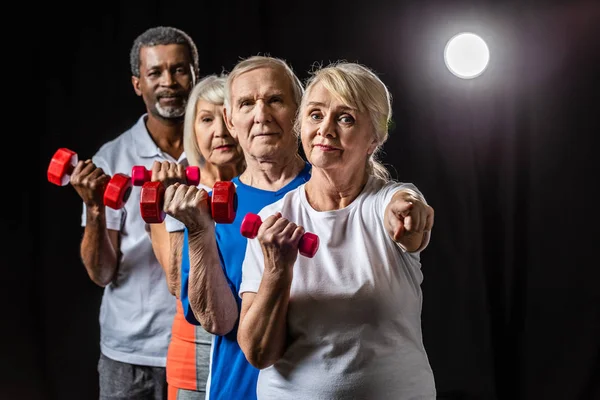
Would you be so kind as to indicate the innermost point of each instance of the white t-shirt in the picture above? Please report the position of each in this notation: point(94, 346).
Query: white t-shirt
point(354, 317)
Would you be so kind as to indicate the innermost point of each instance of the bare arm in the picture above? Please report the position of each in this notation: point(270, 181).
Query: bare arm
point(99, 247)
point(262, 333)
point(174, 272)
point(263, 321)
point(167, 248)
point(408, 219)
point(209, 295)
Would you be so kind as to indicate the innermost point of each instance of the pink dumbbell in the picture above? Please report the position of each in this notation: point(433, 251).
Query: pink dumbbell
point(141, 175)
point(309, 242)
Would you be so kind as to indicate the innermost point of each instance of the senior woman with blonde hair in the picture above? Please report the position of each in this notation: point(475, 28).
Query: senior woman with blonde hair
point(345, 324)
point(209, 145)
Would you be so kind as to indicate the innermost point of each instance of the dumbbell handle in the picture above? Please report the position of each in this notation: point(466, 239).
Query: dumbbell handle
point(309, 242)
point(141, 175)
point(152, 201)
point(222, 204)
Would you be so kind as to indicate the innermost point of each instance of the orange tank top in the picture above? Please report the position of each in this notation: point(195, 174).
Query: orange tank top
point(188, 354)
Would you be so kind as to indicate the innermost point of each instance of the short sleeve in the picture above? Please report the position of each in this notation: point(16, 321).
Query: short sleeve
point(252, 267)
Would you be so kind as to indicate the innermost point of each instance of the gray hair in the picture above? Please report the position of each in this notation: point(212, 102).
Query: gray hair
point(211, 89)
point(360, 88)
point(162, 35)
point(256, 62)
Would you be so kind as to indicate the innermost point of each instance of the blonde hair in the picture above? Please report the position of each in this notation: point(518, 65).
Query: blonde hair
point(256, 62)
point(211, 89)
point(358, 87)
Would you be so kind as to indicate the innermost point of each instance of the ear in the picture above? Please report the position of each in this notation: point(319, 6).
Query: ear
point(229, 124)
point(372, 146)
point(135, 81)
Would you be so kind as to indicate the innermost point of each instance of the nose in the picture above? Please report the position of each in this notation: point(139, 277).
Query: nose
point(262, 113)
point(166, 78)
point(221, 130)
point(327, 128)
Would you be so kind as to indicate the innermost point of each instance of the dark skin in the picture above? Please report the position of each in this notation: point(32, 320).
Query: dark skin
point(165, 81)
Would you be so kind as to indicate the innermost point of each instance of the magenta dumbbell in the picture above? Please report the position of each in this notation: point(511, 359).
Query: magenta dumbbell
point(141, 175)
point(309, 242)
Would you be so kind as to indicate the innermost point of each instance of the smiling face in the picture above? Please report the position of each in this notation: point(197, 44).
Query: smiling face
point(262, 112)
point(165, 80)
point(216, 144)
point(335, 136)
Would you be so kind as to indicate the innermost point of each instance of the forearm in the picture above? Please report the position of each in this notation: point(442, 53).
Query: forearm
point(98, 253)
point(210, 297)
point(263, 331)
point(174, 269)
point(162, 249)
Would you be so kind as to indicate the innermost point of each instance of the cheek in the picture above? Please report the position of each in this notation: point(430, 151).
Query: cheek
point(203, 137)
point(306, 137)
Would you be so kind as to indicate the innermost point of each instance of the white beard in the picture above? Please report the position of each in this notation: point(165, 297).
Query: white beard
point(170, 112)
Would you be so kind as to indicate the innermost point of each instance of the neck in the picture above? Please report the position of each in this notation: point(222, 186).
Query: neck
point(271, 174)
point(211, 173)
point(167, 134)
point(334, 189)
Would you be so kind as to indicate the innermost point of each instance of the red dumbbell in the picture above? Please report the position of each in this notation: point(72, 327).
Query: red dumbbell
point(309, 242)
point(222, 203)
point(62, 164)
point(141, 175)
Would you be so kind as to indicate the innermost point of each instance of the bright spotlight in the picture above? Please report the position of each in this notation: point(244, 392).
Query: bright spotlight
point(466, 55)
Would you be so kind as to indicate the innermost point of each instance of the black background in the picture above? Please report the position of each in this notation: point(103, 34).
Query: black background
point(508, 160)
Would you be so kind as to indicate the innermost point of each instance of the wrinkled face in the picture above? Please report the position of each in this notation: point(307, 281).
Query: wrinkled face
point(166, 79)
point(262, 112)
point(216, 144)
point(334, 135)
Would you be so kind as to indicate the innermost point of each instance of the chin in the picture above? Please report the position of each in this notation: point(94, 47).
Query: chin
point(171, 112)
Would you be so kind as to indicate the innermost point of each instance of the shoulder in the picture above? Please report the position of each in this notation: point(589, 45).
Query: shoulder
point(289, 200)
point(115, 150)
point(116, 145)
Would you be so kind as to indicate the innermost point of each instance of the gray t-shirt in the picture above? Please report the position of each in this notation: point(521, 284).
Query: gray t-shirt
point(137, 309)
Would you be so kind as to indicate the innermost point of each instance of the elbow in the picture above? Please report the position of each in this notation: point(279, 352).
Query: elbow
point(212, 325)
point(257, 357)
point(101, 281)
point(256, 354)
point(173, 287)
point(259, 362)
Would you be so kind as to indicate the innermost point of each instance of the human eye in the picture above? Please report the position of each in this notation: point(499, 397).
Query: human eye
point(346, 119)
point(315, 115)
point(245, 103)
